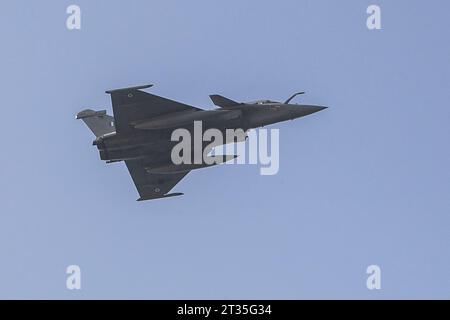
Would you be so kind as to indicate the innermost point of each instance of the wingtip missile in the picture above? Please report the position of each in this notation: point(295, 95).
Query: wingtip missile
point(129, 88)
point(161, 196)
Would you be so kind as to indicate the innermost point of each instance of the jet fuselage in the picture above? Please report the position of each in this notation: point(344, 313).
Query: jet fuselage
point(154, 135)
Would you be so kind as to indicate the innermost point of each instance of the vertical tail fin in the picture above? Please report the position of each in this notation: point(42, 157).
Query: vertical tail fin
point(98, 121)
point(223, 102)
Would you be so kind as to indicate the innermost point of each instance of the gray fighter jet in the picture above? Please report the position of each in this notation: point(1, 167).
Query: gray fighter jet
point(140, 131)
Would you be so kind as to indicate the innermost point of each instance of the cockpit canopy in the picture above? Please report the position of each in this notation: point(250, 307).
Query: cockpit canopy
point(264, 102)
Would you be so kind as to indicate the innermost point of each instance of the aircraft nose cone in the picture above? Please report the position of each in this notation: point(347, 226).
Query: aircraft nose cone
point(304, 110)
point(313, 109)
point(320, 108)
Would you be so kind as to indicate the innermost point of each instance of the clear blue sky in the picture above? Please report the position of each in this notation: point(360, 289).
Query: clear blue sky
point(365, 182)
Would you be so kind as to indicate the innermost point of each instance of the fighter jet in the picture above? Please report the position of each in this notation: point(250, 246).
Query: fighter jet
point(140, 131)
